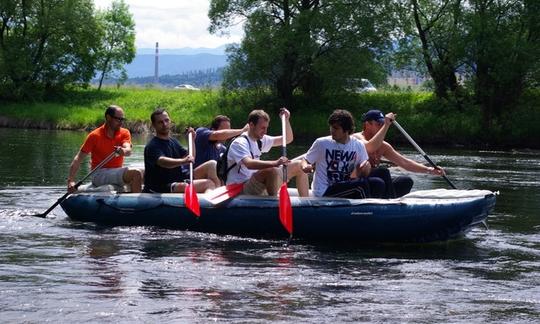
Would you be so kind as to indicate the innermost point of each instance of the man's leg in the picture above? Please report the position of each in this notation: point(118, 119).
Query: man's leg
point(376, 187)
point(207, 170)
point(294, 170)
point(402, 185)
point(201, 185)
point(270, 177)
point(134, 178)
point(384, 174)
point(354, 189)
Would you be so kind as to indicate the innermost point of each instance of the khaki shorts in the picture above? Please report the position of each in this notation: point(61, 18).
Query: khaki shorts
point(256, 188)
point(107, 176)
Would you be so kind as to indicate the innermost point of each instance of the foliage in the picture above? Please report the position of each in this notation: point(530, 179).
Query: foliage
point(311, 46)
point(504, 49)
point(118, 45)
point(45, 45)
point(493, 44)
point(428, 119)
point(439, 29)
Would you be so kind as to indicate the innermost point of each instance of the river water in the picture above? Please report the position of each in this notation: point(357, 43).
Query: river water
point(62, 271)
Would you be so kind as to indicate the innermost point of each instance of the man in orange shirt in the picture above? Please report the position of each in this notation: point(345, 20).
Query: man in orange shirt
point(100, 143)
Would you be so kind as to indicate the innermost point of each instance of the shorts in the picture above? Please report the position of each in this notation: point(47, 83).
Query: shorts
point(256, 188)
point(107, 176)
point(163, 187)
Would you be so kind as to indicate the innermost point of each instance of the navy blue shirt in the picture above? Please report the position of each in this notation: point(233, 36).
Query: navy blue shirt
point(156, 178)
point(205, 149)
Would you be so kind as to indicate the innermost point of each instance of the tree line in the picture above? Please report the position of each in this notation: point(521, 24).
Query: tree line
point(46, 46)
point(316, 47)
point(209, 78)
point(484, 53)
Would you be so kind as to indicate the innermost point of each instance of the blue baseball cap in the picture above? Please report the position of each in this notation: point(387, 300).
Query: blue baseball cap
point(373, 114)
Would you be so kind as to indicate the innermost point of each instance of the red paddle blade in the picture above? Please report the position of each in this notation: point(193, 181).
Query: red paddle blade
point(285, 208)
point(191, 200)
point(224, 193)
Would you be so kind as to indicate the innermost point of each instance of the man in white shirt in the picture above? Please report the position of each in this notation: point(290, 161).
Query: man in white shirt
point(262, 177)
point(336, 157)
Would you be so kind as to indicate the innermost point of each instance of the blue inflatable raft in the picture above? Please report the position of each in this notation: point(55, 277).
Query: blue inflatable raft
point(422, 216)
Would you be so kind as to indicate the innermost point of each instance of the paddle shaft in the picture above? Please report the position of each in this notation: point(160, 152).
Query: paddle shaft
point(59, 201)
point(419, 149)
point(284, 145)
point(190, 152)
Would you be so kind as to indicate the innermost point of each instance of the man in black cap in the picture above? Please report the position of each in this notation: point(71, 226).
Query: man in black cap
point(372, 122)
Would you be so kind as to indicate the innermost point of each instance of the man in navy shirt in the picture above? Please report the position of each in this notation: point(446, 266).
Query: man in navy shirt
point(209, 141)
point(164, 158)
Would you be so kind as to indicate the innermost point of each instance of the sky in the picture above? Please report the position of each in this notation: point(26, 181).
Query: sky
point(174, 24)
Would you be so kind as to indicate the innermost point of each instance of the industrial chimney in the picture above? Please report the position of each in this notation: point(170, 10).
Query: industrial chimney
point(156, 67)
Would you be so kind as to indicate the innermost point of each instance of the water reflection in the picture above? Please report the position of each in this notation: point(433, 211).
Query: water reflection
point(102, 266)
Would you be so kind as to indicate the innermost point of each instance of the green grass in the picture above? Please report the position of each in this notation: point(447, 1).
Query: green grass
point(426, 118)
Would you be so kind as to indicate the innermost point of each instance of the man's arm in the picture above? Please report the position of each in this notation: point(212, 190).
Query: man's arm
point(169, 163)
point(363, 169)
point(73, 169)
point(376, 141)
point(410, 165)
point(125, 149)
point(254, 164)
point(278, 140)
point(225, 134)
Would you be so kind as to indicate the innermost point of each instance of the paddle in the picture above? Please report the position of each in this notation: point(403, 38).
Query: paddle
point(190, 195)
point(421, 152)
point(224, 193)
point(285, 208)
point(59, 201)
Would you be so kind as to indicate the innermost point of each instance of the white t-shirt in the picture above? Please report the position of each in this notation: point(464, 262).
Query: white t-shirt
point(239, 150)
point(334, 161)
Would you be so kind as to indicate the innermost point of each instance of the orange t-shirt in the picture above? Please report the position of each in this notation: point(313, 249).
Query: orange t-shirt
point(100, 146)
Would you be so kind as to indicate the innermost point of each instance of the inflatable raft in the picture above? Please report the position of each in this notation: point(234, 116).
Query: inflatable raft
point(421, 216)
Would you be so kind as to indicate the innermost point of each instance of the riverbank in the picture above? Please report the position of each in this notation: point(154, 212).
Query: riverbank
point(427, 119)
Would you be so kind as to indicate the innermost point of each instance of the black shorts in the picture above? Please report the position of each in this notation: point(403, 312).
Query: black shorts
point(353, 189)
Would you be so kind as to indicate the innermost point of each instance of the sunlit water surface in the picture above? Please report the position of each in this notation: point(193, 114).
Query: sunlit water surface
point(55, 269)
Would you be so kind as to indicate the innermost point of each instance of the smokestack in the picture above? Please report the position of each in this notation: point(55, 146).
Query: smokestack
point(156, 67)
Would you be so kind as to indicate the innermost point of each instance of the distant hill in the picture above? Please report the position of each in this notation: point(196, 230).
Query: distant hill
point(209, 78)
point(183, 51)
point(143, 65)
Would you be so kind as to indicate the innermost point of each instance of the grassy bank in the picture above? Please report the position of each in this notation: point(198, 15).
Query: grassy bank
point(426, 118)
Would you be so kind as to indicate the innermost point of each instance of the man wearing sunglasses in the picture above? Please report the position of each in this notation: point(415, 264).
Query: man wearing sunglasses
point(372, 122)
point(100, 143)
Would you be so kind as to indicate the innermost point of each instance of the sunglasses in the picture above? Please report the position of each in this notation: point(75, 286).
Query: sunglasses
point(120, 119)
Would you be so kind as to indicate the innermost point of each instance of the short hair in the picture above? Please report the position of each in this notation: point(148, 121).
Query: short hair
point(343, 118)
point(257, 114)
point(111, 110)
point(218, 120)
point(157, 112)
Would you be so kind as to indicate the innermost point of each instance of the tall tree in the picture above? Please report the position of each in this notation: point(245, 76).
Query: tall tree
point(118, 47)
point(504, 52)
point(433, 30)
point(45, 45)
point(310, 45)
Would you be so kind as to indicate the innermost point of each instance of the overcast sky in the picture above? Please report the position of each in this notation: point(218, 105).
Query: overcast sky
point(173, 23)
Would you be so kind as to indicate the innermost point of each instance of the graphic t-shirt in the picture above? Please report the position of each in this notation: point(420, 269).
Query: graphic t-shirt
point(205, 149)
point(334, 162)
point(157, 178)
point(239, 150)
